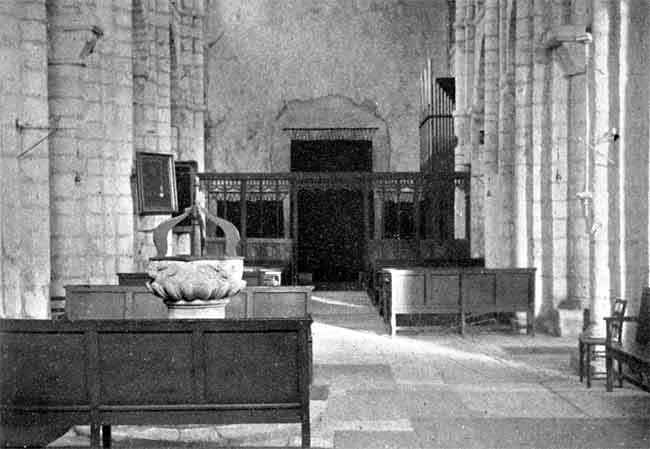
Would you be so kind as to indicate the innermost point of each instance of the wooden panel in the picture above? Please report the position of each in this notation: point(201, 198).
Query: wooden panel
point(251, 367)
point(204, 417)
point(140, 372)
point(133, 279)
point(275, 304)
point(145, 305)
point(152, 368)
point(112, 302)
point(478, 291)
point(95, 304)
point(43, 369)
point(407, 289)
point(236, 307)
point(512, 290)
point(442, 291)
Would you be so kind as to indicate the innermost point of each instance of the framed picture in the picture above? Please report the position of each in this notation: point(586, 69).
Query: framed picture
point(156, 182)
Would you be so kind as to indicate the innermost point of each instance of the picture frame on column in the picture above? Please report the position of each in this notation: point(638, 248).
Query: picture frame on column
point(155, 183)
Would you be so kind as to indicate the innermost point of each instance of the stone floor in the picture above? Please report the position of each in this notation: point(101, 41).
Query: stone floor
point(434, 389)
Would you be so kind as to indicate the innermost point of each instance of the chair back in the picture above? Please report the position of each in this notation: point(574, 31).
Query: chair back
point(618, 311)
point(643, 329)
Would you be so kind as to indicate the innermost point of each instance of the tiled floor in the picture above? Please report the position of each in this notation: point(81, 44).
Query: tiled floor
point(489, 389)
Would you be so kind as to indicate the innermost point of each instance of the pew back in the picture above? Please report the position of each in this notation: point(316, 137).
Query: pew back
point(146, 372)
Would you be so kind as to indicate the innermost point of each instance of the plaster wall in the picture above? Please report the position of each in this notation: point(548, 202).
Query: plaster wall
point(263, 55)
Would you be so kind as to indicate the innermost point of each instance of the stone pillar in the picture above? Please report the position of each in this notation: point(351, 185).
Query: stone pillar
point(523, 133)
point(187, 80)
point(633, 162)
point(558, 210)
point(578, 232)
point(493, 241)
point(600, 150)
point(24, 162)
point(506, 132)
point(152, 103)
point(472, 89)
point(463, 149)
point(541, 242)
point(90, 83)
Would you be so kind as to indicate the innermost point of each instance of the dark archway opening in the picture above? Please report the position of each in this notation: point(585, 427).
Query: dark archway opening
point(331, 242)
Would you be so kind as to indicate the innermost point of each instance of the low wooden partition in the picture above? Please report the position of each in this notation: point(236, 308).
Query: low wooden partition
point(135, 302)
point(461, 291)
point(267, 302)
point(112, 302)
point(57, 374)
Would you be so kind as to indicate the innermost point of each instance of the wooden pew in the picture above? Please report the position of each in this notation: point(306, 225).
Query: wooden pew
point(375, 277)
point(459, 291)
point(150, 372)
point(627, 341)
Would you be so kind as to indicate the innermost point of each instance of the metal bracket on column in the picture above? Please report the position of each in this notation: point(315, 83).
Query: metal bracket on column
point(24, 126)
point(567, 41)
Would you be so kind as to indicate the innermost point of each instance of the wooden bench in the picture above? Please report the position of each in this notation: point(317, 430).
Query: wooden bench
point(374, 278)
point(591, 341)
point(57, 374)
point(458, 291)
point(627, 341)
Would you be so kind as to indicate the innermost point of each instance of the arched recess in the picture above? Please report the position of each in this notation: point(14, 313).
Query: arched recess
point(332, 117)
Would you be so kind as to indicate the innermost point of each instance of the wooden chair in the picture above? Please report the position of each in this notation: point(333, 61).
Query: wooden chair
point(591, 344)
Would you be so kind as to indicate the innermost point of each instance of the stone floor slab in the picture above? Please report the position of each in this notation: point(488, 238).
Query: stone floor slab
point(376, 405)
point(355, 376)
point(601, 404)
point(511, 433)
point(434, 404)
point(534, 404)
point(375, 440)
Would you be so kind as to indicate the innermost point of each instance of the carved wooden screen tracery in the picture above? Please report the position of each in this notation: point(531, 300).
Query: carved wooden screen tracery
point(263, 205)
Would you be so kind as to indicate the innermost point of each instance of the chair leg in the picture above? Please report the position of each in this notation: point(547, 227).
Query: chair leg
point(106, 436)
point(588, 365)
point(609, 368)
point(581, 353)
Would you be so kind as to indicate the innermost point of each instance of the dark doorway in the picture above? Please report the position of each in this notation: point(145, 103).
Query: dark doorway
point(331, 155)
point(331, 243)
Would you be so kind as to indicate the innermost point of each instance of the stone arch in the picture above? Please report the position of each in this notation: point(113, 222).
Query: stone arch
point(330, 117)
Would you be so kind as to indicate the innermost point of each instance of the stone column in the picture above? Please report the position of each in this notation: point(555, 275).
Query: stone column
point(187, 79)
point(541, 242)
point(578, 232)
point(522, 182)
point(151, 102)
point(506, 131)
point(24, 162)
point(600, 150)
point(462, 152)
point(493, 241)
point(472, 101)
point(633, 162)
point(90, 81)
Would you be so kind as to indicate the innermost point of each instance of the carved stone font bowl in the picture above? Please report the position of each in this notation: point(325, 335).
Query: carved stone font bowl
point(188, 279)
